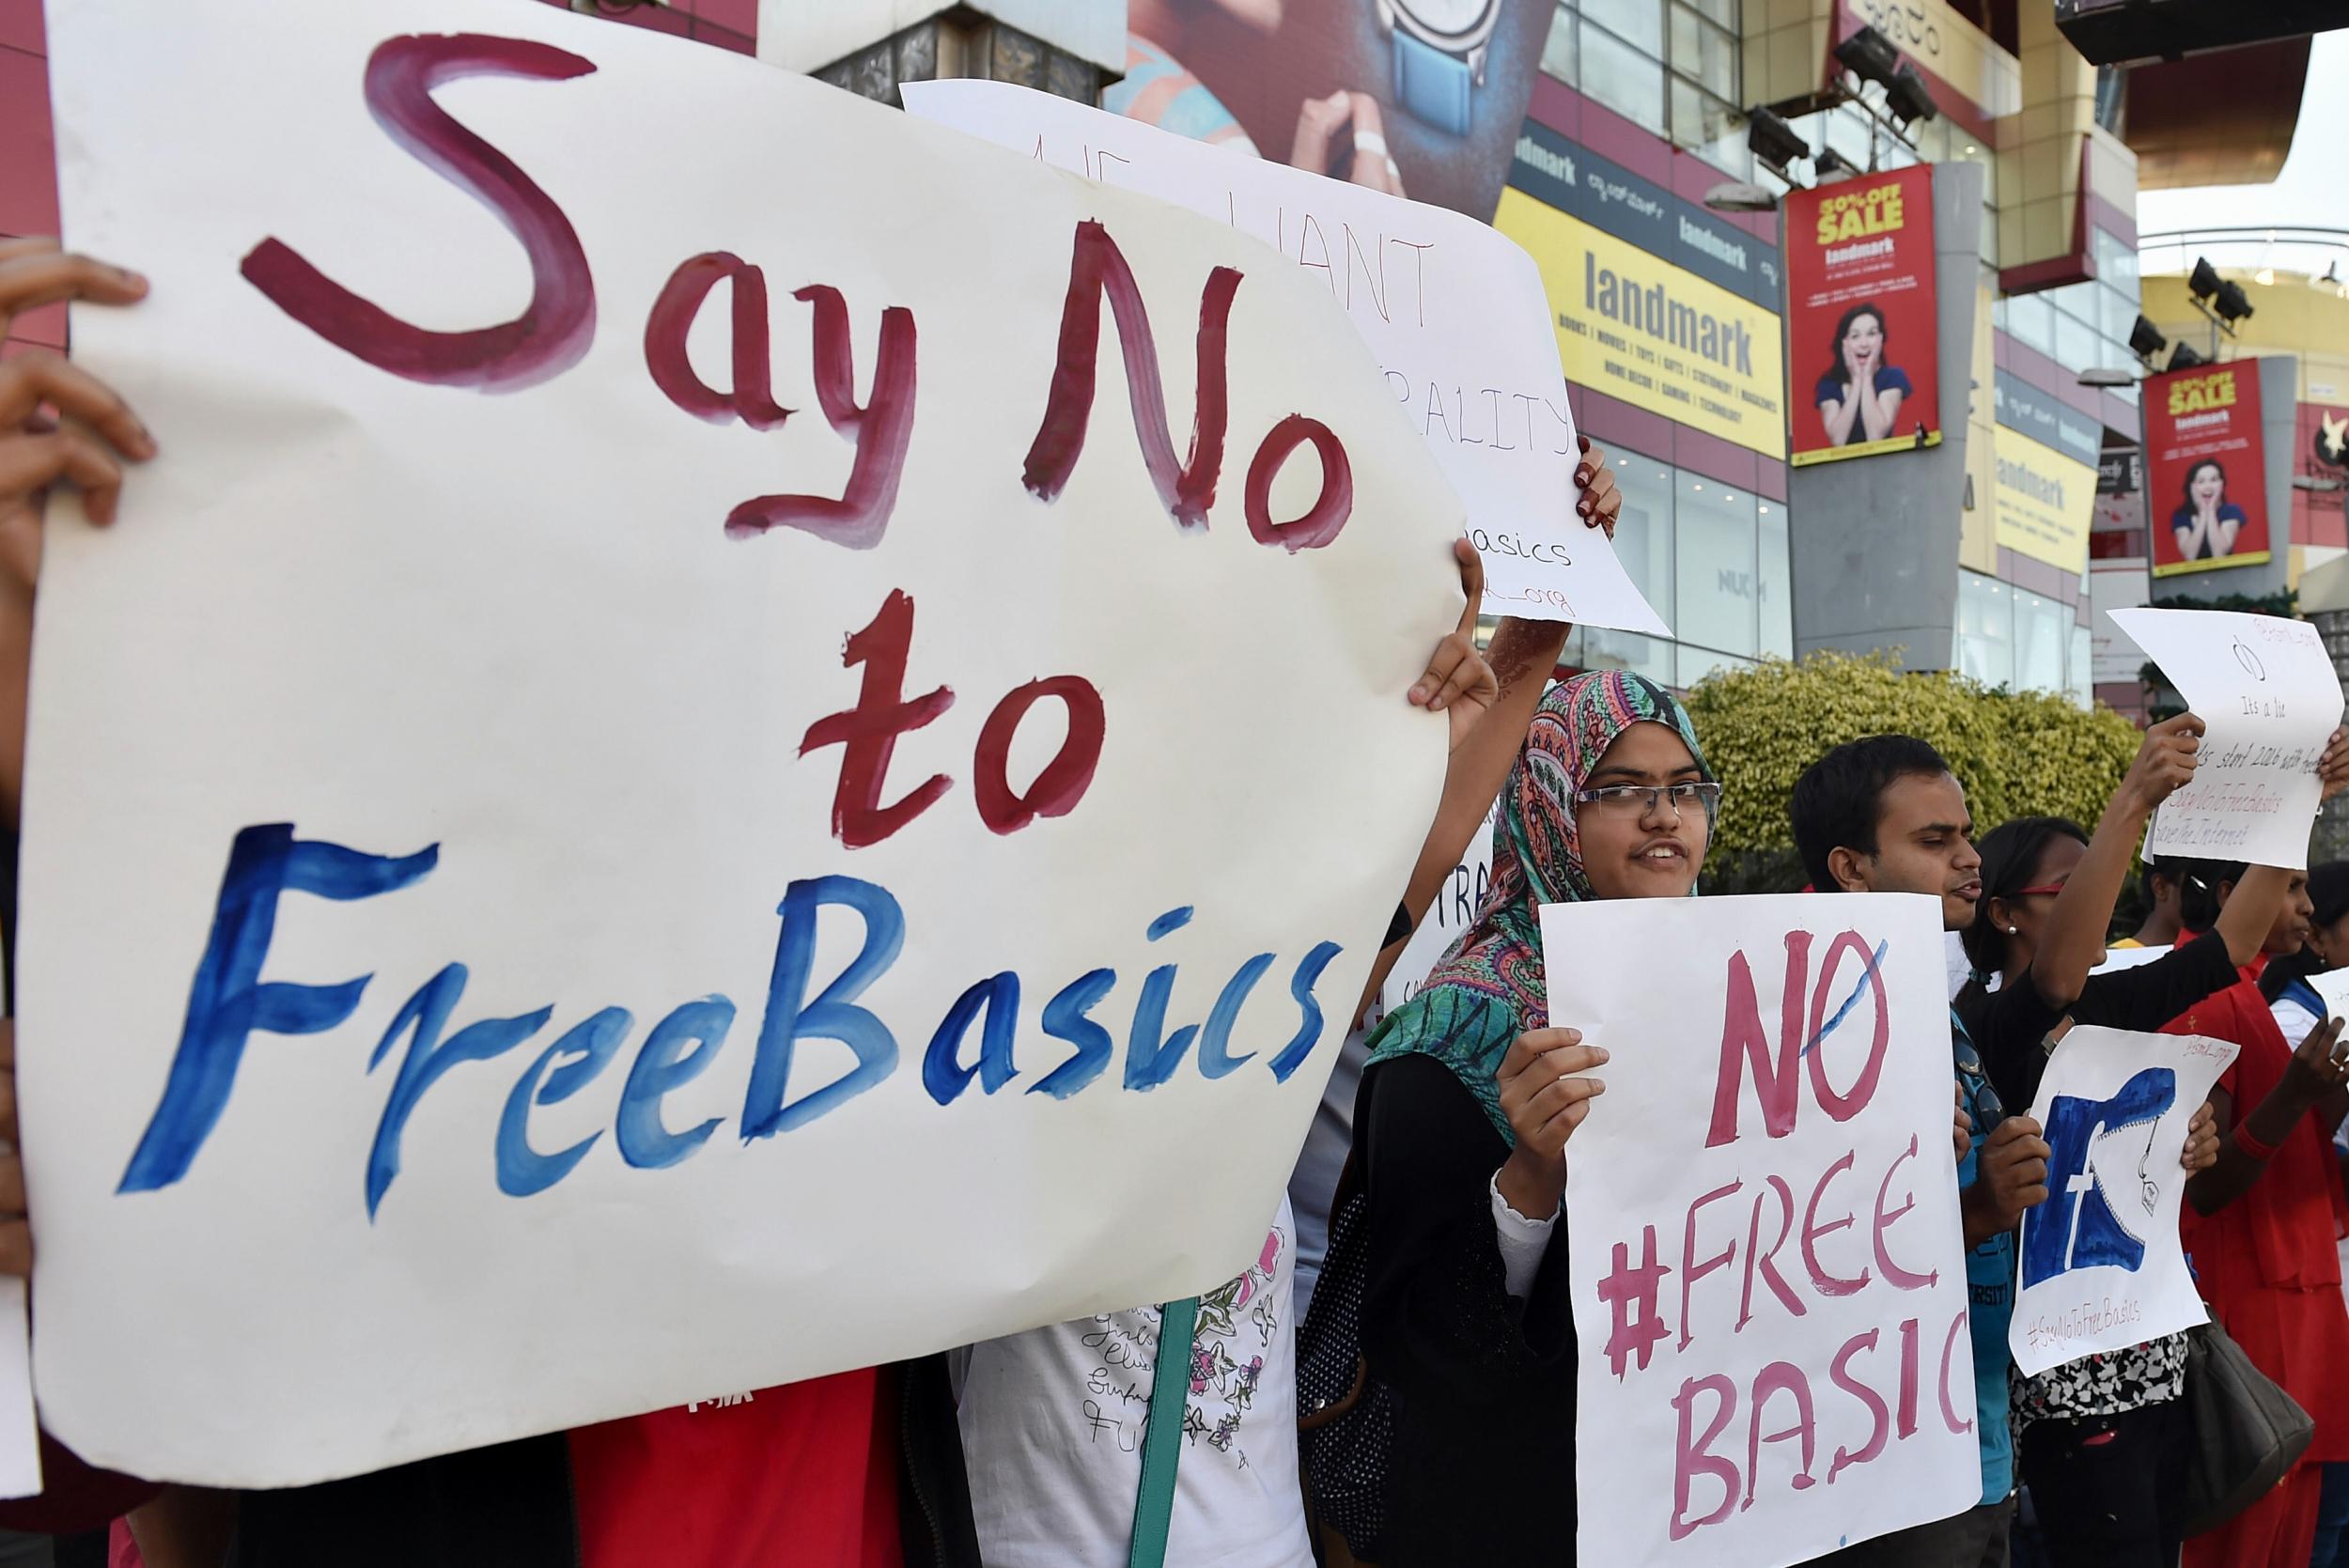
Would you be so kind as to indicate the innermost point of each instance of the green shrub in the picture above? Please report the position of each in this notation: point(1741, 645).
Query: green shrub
point(2019, 755)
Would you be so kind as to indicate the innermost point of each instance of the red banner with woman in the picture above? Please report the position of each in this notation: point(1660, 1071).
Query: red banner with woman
point(2206, 469)
point(1861, 336)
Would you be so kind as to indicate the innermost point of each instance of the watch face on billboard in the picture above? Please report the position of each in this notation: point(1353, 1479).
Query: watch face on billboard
point(1862, 339)
point(1419, 98)
point(2206, 469)
point(1446, 18)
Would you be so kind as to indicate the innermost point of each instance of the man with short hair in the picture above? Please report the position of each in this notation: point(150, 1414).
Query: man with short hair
point(1885, 815)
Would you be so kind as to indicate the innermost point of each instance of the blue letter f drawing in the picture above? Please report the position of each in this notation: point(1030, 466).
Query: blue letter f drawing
point(229, 1002)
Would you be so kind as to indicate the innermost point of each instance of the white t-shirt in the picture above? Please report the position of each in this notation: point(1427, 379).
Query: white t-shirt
point(1052, 1422)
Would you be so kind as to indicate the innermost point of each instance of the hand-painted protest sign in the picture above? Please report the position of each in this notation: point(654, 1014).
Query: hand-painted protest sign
point(1452, 308)
point(2266, 688)
point(1446, 921)
point(2101, 1264)
point(1865, 358)
point(738, 864)
point(1769, 1278)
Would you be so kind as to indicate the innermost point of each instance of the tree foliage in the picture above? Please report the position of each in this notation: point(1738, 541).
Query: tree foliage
point(2019, 755)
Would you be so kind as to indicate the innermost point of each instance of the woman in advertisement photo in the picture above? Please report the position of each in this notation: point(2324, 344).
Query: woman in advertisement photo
point(2205, 527)
point(1860, 396)
point(1419, 98)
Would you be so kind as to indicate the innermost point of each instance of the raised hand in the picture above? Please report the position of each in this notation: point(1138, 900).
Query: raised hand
point(2166, 760)
point(1457, 681)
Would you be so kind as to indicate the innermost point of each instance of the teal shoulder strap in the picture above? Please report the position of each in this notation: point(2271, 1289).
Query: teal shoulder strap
point(1162, 1439)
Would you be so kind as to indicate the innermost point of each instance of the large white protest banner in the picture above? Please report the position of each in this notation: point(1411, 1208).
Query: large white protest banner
point(1452, 308)
point(673, 783)
point(2101, 1264)
point(1769, 1264)
point(2267, 690)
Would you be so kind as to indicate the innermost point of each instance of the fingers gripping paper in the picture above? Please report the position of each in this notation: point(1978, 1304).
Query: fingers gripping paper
point(1768, 1267)
point(597, 838)
point(1452, 308)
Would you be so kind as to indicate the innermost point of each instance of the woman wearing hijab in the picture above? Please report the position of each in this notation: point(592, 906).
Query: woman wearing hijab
point(1465, 1111)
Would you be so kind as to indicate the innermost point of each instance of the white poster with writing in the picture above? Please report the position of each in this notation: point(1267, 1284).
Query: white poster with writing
point(2101, 1264)
point(2268, 691)
point(1452, 308)
point(1768, 1264)
point(674, 782)
point(1446, 920)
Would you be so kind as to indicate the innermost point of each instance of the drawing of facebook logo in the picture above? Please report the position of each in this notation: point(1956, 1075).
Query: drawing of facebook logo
point(2080, 1226)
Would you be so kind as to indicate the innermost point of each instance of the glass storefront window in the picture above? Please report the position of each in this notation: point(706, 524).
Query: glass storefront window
point(1637, 23)
point(1719, 586)
point(1558, 55)
point(1985, 630)
point(2076, 344)
point(1697, 663)
point(1703, 53)
point(2031, 320)
point(2116, 262)
point(2120, 315)
point(1621, 77)
point(1722, 11)
point(2082, 671)
point(1706, 124)
point(1643, 543)
point(2043, 638)
point(1847, 133)
point(1775, 573)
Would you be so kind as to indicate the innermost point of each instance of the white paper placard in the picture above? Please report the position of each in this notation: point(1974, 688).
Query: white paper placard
point(2267, 690)
point(1452, 308)
point(2100, 1261)
point(20, 1428)
point(2333, 986)
point(693, 1040)
point(1768, 1262)
point(2119, 958)
point(1445, 922)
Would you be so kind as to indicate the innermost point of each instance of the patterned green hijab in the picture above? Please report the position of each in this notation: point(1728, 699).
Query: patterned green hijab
point(1489, 988)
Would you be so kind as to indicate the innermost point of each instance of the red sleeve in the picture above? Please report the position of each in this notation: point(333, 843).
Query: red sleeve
point(74, 1496)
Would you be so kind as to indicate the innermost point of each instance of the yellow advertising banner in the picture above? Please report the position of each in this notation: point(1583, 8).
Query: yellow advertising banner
point(1653, 334)
point(2042, 501)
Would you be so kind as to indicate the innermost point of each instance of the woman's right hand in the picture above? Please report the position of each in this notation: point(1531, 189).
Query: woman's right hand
point(1544, 1098)
point(2165, 764)
point(2315, 1071)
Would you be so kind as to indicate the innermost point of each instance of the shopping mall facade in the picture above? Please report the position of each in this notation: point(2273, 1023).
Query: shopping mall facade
point(1615, 136)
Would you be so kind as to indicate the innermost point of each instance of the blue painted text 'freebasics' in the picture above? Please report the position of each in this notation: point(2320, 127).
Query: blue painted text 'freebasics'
point(230, 1003)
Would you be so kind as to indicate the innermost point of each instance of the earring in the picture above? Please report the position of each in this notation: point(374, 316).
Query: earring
point(2013, 932)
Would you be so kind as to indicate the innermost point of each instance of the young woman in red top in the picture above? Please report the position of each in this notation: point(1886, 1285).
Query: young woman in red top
point(2261, 1225)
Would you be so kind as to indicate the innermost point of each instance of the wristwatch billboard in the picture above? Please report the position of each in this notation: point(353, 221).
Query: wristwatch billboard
point(1439, 49)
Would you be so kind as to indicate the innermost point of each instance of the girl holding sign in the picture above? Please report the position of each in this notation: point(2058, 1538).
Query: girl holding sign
point(1461, 1130)
point(2262, 1225)
point(2103, 1440)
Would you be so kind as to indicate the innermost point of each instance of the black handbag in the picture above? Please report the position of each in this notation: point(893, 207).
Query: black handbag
point(2247, 1432)
point(1344, 1415)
